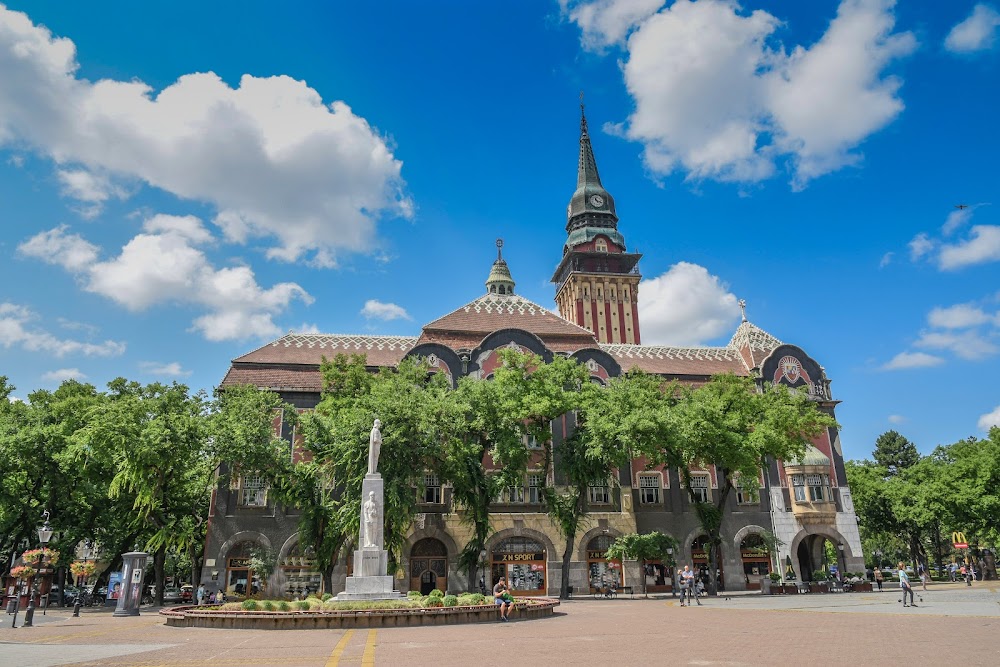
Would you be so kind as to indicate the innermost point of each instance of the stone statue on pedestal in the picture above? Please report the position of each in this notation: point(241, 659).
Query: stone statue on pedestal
point(374, 447)
point(370, 581)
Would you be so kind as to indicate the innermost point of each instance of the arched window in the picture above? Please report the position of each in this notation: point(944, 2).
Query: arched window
point(601, 245)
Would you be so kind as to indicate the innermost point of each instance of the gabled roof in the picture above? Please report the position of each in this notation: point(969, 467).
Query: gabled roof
point(753, 343)
point(492, 312)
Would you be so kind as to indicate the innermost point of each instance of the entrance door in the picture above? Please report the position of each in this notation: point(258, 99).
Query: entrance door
point(521, 561)
point(428, 582)
point(429, 566)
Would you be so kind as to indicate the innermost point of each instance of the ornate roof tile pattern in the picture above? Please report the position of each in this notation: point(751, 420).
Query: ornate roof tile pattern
point(669, 360)
point(295, 348)
point(492, 312)
point(753, 337)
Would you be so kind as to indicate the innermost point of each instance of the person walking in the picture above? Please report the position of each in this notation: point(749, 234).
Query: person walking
point(924, 576)
point(904, 585)
point(503, 598)
point(201, 594)
point(688, 589)
point(879, 577)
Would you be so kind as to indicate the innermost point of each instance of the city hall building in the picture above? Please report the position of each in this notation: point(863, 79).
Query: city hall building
point(804, 503)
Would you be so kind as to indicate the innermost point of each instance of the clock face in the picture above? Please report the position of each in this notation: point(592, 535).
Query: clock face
point(596, 200)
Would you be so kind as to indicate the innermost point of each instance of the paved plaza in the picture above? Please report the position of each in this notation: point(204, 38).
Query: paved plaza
point(952, 625)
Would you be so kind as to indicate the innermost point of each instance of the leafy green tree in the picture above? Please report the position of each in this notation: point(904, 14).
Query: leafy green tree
point(728, 423)
point(895, 453)
point(420, 416)
point(643, 547)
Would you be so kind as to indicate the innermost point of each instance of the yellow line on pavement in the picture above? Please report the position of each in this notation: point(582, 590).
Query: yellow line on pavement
point(338, 650)
point(368, 659)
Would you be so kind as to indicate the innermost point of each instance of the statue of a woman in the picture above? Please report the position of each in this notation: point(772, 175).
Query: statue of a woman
point(374, 445)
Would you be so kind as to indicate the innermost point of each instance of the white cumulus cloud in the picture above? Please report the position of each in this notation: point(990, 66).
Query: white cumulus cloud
point(685, 306)
point(896, 419)
point(171, 369)
point(990, 419)
point(717, 97)
point(905, 360)
point(165, 265)
point(959, 316)
point(376, 310)
point(274, 160)
point(969, 345)
point(977, 32)
point(64, 374)
point(606, 22)
point(17, 331)
point(983, 245)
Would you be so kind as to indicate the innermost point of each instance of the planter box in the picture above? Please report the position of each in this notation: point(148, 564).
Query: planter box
point(819, 587)
point(862, 587)
point(790, 589)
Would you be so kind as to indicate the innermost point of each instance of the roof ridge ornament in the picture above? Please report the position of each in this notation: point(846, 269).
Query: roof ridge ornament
point(743, 308)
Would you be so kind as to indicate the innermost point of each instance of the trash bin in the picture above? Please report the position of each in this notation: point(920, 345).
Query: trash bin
point(11, 602)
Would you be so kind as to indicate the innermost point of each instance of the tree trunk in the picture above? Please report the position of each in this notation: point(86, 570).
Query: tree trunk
point(195, 568)
point(567, 557)
point(159, 559)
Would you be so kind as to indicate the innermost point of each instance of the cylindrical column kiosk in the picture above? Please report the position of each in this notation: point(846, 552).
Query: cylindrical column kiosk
point(133, 567)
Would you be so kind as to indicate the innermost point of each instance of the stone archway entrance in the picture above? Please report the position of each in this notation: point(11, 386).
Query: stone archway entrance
point(428, 566)
point(241, 579)
point(819, 553)
point(756, 558)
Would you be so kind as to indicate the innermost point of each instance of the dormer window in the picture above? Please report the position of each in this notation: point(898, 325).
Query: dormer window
point(601, 245)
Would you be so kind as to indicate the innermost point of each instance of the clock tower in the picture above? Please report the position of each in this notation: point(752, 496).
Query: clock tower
point(597, 281)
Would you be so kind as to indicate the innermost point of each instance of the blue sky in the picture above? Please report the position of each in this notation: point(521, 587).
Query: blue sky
point(181, 183)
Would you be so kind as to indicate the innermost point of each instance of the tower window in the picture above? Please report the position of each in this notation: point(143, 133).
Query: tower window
point(601, 245)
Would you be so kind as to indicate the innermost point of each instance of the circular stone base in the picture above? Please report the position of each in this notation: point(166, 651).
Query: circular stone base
point(195, 617)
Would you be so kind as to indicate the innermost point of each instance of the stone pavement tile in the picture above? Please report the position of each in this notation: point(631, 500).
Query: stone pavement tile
point(47, 655)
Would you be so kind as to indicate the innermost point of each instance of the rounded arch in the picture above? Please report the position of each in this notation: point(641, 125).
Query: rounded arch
point(825, 531)
point(688, 543)
point(581, 551)
point(523, 337)
point(742, 533)
point(432, 533)
point(540, 537)
point(242, 536)
point(599, 356)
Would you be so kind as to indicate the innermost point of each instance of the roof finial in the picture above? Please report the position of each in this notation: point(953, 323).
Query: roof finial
point(583, 116)
point(499, 246)
point(743, 307)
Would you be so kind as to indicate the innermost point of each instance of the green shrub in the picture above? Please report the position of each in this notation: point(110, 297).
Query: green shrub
point(303, 605)
point(465, 600)
point(478, 598)
point(450, 600)
point(434, 601)
point(414, 595)
point(775, 577)
point(267, 605)
point(327, 596)
point(249, 605)
point(284, 606)
point(437, 593)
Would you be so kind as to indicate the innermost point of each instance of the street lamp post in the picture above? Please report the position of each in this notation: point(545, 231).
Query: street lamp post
point(81, 580)
point(673, 573)
point(44, 535)
point(878, 557)
point(842, 565)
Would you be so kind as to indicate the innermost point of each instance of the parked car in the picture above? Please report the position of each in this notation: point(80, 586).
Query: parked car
point(68, 596)
point(187, 594)
point(172, 596)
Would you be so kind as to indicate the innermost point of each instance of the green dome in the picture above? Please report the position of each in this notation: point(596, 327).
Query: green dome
point(812, 457)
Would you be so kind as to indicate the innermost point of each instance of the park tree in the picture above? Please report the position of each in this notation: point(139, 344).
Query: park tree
point(728, 423)
point(420, 417)
point(644, 547)
point(895, 453)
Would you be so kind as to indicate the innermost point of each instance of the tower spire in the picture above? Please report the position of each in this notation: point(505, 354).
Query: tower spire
point(500, 281)
point(587, 171)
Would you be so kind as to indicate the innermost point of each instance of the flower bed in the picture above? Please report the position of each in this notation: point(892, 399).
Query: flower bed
point(293, 615)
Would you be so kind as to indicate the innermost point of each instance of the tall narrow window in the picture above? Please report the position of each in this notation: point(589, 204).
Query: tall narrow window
point(253, 491)
point(699, 484)
point(649, 489)
point(535, 484)
point(432, 489)
point(600, 495)
point(799, 485)
point(816, 488)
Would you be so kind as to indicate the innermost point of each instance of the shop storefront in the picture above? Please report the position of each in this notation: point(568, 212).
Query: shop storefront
point(756, 561)
point(300, 574)
point(428, 566)
point(699, 557)
point(659, 577)
point(602, 573)
point(522, 561)
point(241, 580)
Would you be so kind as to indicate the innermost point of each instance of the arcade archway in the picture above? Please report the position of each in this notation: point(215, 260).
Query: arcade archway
point(428, 566)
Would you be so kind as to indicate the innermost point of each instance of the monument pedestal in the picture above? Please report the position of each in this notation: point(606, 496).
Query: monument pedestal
point(370, 582)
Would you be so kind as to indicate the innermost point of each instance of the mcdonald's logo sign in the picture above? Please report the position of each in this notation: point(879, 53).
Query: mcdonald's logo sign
point(958, 540)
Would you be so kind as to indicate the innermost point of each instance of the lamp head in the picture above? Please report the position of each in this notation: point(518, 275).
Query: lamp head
point(45, 531)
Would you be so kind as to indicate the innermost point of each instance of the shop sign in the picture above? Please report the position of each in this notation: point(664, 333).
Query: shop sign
point(699, 556)
point(537, 567)
point(239, 562)
point(597, 555)
point(753, 553)
point(958, 540)
point(520, 558)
